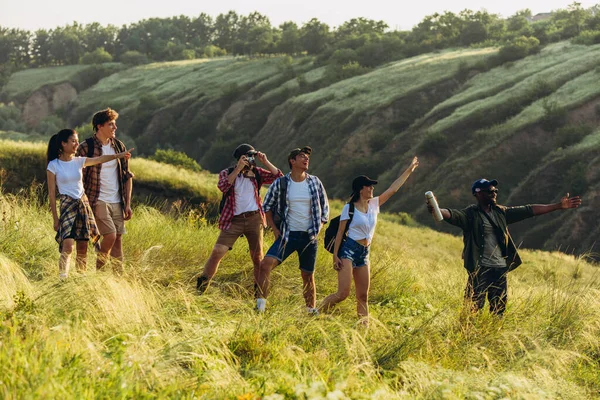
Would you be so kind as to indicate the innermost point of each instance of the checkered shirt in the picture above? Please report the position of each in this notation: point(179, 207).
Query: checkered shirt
point(319, 204)
point(76, 217)
point(91, 175)
point(267, 177)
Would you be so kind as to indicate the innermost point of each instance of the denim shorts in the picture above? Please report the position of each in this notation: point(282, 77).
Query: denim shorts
point(300, 242)
point(355, 252)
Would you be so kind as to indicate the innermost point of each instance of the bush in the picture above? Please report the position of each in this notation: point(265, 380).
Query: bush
point(176, 158)
point(98, 56)
point(435, 143)
point(133, 58)
point(213, 51)
point(519, 48)
point(337, 72)
point(50, 125)
point(571, 134)
point(587, 38)
point(380, 140)
point(188, 54)
point(343, 56)
point(10, 118)
point(554, 117)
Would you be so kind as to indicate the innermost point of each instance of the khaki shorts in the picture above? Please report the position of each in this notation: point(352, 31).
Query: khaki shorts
point(109, 218)
point(250, 226)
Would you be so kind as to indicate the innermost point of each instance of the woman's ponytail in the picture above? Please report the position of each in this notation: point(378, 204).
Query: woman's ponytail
point(55, 143)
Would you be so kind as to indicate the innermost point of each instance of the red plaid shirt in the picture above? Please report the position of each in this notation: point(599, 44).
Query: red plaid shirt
point(91, 175)
point(267, 177)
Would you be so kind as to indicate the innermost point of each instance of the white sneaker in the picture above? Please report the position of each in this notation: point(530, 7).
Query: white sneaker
point(261, 305)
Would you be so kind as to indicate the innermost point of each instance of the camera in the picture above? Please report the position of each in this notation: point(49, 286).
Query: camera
point(250, 157)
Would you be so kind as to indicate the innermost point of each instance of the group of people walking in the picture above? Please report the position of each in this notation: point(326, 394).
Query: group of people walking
point(94, 185)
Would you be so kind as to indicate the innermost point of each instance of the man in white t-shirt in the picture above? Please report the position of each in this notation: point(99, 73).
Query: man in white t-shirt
point(241, 209)
point(108, 187)
point(304, 212)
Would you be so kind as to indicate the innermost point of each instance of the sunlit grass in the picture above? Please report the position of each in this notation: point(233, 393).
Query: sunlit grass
point(147, 334)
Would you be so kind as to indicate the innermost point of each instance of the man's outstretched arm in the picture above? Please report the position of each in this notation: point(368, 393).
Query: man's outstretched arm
point(565, 203)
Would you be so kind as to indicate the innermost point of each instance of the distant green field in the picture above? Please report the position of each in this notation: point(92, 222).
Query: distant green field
point(23, 83)
point(178, 80)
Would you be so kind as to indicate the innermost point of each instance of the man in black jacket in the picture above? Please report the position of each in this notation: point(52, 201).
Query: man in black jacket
point(489, 252)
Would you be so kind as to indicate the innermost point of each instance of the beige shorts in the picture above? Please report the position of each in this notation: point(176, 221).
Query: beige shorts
point(250, 226)
point(109, 218)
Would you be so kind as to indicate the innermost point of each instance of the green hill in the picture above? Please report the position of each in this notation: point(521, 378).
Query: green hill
point(464, 115)
point(148, 335)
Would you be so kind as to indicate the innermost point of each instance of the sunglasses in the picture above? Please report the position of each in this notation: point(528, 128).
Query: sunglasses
point(489, 191)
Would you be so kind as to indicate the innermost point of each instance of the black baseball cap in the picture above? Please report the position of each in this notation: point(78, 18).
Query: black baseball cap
point(482, 184)
point(361, 181)
point(243, 149)
point(306, 150)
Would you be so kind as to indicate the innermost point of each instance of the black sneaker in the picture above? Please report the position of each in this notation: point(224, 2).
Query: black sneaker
point(202, 284)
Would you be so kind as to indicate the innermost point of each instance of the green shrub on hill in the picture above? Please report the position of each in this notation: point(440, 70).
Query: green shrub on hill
point(555, 116)
point(571, 134)
point(133, 57)
point(519, 48)
point(177, 158)
point(98, 56)
point(587, 38)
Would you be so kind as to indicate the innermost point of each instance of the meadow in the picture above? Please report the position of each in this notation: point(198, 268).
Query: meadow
point(147, 334)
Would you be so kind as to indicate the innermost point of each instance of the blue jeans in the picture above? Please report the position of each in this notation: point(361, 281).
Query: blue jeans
point(300, 242)
point(355, 252)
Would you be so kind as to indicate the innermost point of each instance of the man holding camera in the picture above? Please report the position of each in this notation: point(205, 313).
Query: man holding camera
point(241, 209)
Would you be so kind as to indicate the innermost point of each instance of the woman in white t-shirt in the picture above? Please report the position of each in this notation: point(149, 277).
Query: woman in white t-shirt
point(64, 172)
point(351, 256)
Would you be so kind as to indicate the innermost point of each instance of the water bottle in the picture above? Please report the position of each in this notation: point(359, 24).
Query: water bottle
point(437, 214)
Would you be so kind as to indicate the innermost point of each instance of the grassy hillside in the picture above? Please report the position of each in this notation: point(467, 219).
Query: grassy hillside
point(21, 84)
point(148, 335)
point(464, 115)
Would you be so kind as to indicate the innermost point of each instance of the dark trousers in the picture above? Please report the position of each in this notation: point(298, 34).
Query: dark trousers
point(491, 282)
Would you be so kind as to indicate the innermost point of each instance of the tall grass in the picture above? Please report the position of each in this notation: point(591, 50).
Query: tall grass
point(148, 335)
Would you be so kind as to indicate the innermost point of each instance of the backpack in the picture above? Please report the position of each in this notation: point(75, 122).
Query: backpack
point(279, 215)
point(332, 229)
point(229, 171)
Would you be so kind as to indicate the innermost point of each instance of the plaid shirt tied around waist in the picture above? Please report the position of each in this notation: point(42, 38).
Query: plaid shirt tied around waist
point(76, 217)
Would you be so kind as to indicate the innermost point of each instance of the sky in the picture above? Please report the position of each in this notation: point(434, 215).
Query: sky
point(36, 14)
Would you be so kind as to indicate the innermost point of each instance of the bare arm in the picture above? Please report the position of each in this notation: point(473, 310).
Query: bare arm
point(565, 203)
point(337, 263)
point(109, 157)
point(271, 224)
point(127, 189)
point(262, 157)
point(397, 184)
point(51, 178)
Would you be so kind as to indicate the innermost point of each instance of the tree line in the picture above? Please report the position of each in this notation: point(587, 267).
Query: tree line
point(363, 41)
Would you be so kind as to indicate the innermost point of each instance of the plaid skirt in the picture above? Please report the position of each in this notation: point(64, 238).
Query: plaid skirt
point(76, 221)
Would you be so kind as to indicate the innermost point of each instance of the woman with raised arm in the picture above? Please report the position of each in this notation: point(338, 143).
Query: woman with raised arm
point(351, 255)
point(64, 172)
